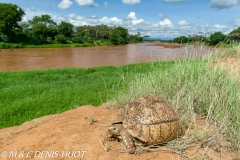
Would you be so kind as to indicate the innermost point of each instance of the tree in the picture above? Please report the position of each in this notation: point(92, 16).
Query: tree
point(103, 32)
point(10, 15)
point(216, 38)
point(118, 35)
point(25, 26)
point(235, 34)
point(43, 27)
point(114, 38)
point(66, 29)
point(181, 39)
point(60, 38)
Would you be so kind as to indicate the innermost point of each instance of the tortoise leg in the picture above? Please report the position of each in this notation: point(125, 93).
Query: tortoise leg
point(128, 141)
point(111, 137)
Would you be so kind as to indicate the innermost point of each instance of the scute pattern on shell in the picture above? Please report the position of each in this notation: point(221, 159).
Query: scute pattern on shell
point(151, 120)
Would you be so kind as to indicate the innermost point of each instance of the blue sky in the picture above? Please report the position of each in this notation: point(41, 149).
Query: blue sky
point(155, 18)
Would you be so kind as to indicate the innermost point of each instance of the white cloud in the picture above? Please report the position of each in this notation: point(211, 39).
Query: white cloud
point(84, 3)
point(105, 4)
point(59, 18)
point(223, 3)
point(30, 13)
point(72, 15)
point(65, 4)
point(133, 18)
point(80, 18)
point(217, 26)
point(132, 15)
point(174, 0)
point(137, 21)
point(111, 21)
point(166, 23)
point(92, 20)
point(130, 2)
point(183, 23)
point(237, 23)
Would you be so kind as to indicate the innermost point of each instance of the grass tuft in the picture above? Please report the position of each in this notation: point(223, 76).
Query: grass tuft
point(90, 119)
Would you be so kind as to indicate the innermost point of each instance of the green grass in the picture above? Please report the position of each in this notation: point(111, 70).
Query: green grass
point(10, 45)
point(26, 95)
point(191, 86)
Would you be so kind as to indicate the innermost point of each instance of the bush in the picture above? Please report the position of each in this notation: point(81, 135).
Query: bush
point(77, 39)
point(181, 39)
point(114, 39)
point(49, 39)
point(3, 38)
point(60, 38)
point(217, 38)
point(235, 34)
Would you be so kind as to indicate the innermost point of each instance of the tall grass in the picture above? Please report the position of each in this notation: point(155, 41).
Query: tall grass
point(193, 87)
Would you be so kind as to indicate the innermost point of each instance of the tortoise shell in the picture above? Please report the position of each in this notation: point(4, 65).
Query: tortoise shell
point(150, 120)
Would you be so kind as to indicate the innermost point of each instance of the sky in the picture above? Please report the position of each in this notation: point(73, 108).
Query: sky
point(154, 18)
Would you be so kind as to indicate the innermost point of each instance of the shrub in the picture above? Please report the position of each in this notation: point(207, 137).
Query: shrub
point(217, 38)
point(60, 38)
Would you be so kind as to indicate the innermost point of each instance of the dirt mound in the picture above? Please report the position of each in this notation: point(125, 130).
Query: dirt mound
point(70, 135)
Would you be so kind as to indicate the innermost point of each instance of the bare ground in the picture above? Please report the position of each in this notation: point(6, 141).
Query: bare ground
point(70, 135)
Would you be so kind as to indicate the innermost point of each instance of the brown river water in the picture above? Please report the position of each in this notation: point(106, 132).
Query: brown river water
point(86, 57)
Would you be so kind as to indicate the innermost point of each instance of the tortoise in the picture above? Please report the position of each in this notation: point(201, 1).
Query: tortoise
point(146, 121)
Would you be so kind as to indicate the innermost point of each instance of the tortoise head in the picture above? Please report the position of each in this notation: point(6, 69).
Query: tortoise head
point(115, 129)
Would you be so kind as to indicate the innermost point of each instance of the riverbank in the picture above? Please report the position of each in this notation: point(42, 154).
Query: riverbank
point(20, 45)
point(56, 45)
point(193, 87)
point(97, 43)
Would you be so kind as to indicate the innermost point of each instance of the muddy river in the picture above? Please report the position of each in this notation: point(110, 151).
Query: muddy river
point(85, 57)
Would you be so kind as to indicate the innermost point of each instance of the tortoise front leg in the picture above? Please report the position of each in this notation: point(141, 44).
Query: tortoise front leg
point(111, 137)
point(128, 141)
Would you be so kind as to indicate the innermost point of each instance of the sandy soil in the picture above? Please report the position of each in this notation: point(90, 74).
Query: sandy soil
point(70, 136)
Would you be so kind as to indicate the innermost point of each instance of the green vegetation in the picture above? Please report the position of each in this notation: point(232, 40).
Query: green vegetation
point(216, 38)
point(57, 45)
point(213, 39)
point(43, 30)
point(192, 86)
point(9, 18)
point(29, 94)
point(235, 34)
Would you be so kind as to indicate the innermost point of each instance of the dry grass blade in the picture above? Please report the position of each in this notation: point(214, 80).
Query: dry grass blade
point(105, 146)
point(91, 120)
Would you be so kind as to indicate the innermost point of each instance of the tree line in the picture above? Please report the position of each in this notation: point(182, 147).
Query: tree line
point(212, 38)
point(43, 30)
